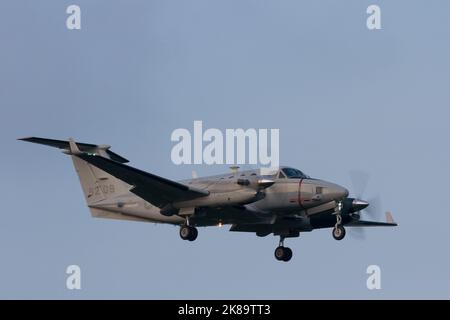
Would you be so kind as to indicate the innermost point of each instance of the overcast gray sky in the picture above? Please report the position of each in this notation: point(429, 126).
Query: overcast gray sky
point(344, 98)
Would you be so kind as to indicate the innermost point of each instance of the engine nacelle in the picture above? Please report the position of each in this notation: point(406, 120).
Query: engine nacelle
point(219, 199)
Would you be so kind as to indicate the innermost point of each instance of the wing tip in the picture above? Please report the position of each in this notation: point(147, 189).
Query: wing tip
point(390, 219)
point(25, 138)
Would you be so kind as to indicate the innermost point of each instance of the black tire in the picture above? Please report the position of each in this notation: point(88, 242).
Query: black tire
point(188, 233)
point(288, 254)
point(338, 233)
point(283, 254)
point(194, 234)
point(279, 253)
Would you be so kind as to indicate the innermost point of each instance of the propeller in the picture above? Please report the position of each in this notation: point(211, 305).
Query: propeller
point(357, 233)
point(374, 209)
point(359, 181)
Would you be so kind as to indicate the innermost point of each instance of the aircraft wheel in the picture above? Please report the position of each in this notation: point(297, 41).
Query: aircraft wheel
point(194, 234)
point(283, 253)
point(288, 254)
point(338, 233)
point(188, 233)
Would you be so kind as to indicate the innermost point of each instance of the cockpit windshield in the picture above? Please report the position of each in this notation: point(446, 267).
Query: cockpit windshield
point(292, 173)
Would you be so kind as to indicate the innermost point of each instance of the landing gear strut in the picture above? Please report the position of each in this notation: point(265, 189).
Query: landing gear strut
point(188, 233)
point(283, 253)
point(338, 230)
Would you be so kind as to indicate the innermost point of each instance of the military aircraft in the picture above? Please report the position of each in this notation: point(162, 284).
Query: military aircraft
point(282, 202)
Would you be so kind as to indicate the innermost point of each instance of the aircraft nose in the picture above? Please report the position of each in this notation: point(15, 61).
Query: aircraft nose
point(337, 192)
point(342, 192)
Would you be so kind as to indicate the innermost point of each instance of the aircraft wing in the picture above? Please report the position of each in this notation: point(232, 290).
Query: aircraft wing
point(152, 188)
point(361, 223)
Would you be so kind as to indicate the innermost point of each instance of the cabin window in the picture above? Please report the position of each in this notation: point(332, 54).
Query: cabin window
point(281, 175)
point(292, 173)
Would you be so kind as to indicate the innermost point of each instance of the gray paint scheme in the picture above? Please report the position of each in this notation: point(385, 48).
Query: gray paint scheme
point(251, 201)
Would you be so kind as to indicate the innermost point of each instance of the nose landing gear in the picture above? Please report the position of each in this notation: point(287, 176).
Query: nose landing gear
point(338, 230)
point(283, 253)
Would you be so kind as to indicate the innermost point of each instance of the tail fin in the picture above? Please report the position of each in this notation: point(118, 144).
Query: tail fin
point(97, 185)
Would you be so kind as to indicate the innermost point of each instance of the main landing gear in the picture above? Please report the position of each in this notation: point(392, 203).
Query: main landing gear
point(283, 253)
point(188, 233)
point(338, 230)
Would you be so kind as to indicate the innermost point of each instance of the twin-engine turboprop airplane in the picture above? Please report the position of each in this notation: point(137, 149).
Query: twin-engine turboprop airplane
point(284, 202)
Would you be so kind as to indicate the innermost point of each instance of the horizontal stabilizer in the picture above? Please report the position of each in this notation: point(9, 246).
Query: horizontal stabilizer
point(84, 147)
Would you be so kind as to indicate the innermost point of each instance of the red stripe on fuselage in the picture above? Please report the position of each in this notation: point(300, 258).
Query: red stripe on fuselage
point(300, 193)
